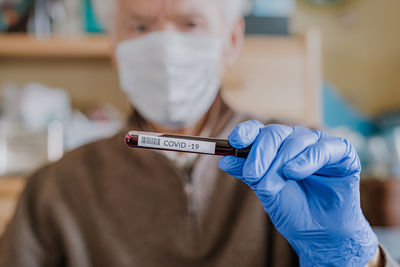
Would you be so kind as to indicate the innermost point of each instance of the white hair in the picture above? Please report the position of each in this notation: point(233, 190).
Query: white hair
point(233, 9)
point(105, 10)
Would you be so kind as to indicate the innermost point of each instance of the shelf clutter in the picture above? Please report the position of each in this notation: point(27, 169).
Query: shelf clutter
point(80, 65)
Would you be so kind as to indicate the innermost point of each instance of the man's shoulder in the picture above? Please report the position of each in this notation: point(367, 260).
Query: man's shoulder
point(83, 165)
point(92, 154)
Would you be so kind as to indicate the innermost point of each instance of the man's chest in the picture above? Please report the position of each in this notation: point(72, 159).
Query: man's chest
point(153, 220)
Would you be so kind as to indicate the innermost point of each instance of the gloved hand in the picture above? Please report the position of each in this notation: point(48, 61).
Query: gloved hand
point(308, 183)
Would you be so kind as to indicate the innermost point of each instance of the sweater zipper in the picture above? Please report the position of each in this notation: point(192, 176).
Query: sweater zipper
point(191, 209)
point(188, 188)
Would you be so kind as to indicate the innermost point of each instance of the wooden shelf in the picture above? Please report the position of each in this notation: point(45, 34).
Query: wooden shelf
point(10, 190)
point(26, 46)
point(11, 186)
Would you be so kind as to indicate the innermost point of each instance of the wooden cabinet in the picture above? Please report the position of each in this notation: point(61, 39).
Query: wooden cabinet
point(279, 77)
point(380, 200)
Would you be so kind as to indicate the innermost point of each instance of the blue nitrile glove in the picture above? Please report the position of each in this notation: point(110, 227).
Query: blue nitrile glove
point(308, 183)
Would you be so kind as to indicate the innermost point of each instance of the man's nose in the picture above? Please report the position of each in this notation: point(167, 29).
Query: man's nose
point(166, 26)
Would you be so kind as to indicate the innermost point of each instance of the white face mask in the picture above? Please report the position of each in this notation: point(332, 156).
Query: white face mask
point(171, 78)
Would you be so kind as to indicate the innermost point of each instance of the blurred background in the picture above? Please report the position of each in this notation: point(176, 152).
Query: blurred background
point(331, 64)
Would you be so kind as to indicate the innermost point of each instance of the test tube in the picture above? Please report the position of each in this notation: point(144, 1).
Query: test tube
point(184, 143)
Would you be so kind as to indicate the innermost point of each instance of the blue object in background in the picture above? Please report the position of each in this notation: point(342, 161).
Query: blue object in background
point(273, 8)
point(270, 17)
point(337, 112)
point(92, 24)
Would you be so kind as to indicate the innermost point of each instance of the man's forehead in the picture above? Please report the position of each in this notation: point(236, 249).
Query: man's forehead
point(169, 7)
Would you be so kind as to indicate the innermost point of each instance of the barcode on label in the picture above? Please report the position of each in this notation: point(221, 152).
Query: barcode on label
point(151, 141)
point(176, 144)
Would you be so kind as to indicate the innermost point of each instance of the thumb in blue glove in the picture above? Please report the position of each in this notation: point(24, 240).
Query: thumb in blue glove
point(308, 183)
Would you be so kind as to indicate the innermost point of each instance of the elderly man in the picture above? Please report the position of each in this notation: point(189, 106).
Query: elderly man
point(107, 205)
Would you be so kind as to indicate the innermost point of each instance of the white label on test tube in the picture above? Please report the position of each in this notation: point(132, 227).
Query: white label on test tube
point(176, 144)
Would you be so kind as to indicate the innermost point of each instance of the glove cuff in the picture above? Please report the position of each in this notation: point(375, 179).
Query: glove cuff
point(355, 251)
